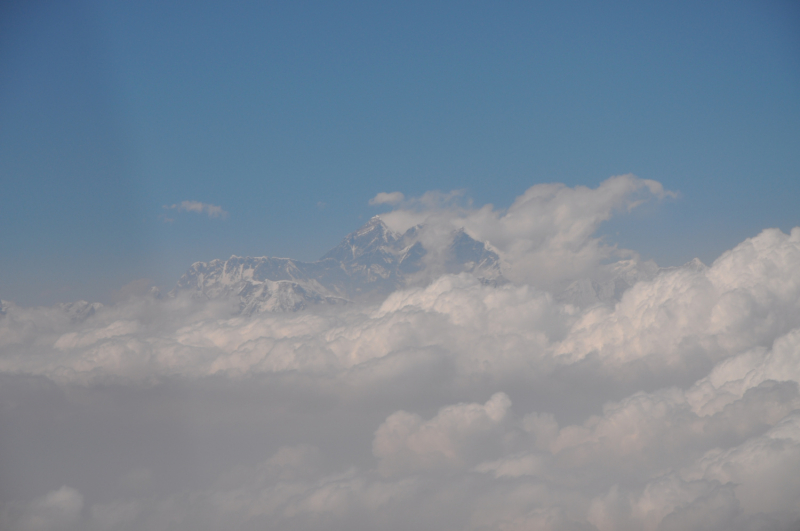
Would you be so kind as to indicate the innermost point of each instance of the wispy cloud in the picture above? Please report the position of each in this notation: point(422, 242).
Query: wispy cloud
point(387, 198)
point(212, 211)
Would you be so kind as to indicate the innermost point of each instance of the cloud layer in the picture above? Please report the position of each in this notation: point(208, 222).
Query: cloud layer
point(594, 391)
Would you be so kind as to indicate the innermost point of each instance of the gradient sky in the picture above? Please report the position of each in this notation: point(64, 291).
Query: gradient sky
point(291, 117)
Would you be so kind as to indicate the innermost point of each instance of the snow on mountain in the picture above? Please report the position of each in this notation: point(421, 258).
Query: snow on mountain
point(261, 284)
point(369, 264)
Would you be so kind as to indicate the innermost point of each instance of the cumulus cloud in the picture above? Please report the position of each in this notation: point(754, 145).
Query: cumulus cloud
point(212, 211)
point(547, 235)
point(404, 442)
point(590, 391)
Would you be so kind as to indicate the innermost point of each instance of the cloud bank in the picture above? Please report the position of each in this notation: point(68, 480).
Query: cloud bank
point(593, 391)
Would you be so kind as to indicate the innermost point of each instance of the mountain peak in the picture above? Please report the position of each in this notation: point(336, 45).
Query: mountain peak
point(375, 223)
point(371, 237)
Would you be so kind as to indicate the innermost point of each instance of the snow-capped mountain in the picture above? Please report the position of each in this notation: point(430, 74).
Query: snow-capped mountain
point(369, 264)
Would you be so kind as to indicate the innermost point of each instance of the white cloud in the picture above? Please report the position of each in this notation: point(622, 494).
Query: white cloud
point(404, 442)
point(547, 235)
point(212, 211)
point(387, 198)
point(452, 404)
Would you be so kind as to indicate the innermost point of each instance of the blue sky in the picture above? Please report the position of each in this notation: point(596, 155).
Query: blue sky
point(291, 117)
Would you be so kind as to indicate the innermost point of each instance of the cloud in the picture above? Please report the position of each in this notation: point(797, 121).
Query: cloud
point(56, 510)
point(592, 391)
point(212, 211)
point(387, 198)
point(547, 236)
point(404, 442)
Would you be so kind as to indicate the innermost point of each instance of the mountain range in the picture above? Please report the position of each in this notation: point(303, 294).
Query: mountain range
point(366, 266)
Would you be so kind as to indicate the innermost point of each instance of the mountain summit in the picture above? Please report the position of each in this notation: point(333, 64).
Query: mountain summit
point(366, 266)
